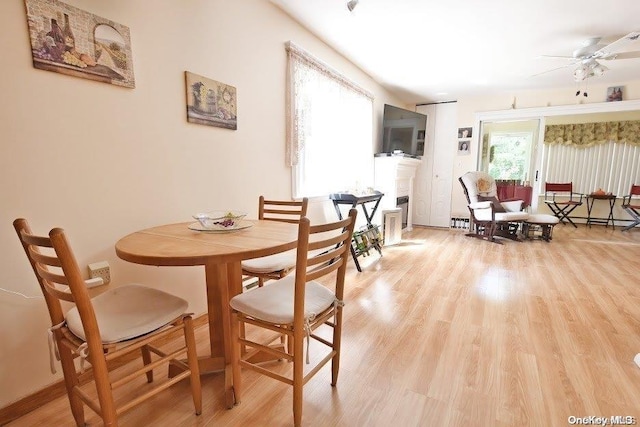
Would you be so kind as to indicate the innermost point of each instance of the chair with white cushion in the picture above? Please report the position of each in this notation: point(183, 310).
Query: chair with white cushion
point(296, 306)
point(106, 329)
point(490, 218)
point(278, 265)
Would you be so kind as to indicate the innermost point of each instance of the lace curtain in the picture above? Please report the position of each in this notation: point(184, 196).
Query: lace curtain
point(583, 135)
point(329, 128)
point(303, 69)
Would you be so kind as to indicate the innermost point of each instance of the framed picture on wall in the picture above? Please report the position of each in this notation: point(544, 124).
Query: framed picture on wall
point(464, 132)
point(464, 147)
point(614, 93)
point(72, 41)
point(210, 102)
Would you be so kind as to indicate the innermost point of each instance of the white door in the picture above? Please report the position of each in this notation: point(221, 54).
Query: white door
point(433, 184)
point(422, 182)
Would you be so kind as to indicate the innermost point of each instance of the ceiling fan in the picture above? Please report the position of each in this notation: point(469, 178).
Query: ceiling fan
point(586, 59)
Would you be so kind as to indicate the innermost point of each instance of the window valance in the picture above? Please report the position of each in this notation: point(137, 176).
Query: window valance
point(296, 53)
point(582, 135)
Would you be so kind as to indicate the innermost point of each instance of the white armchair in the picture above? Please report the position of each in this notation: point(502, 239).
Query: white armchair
point(490, 218)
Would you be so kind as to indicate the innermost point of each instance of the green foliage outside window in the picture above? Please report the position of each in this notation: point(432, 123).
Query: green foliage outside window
point(509, 157)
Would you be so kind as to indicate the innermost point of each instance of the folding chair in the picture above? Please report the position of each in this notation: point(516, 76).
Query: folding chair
point(631, 204)
point(562, 200)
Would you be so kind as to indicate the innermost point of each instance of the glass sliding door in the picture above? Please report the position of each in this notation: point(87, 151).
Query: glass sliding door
point(509, 152)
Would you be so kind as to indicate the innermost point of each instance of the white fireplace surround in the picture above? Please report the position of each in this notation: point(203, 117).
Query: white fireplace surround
point(394, 176)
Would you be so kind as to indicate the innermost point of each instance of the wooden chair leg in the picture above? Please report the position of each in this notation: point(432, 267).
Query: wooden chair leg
point(298, 376)
point(103, 388)
point(71, 381)
point(337, 342)
point(192, 359)
point(146, 359)
point(287, 342)
point(260, 282)
point(236, 354)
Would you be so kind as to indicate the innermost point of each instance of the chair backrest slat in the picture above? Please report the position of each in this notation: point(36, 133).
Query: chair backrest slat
point(30, 239)
point(332, 240)
point(65, 272)
point(282, 210)
point(330, 255)
point(323, 270)
point(41, 258)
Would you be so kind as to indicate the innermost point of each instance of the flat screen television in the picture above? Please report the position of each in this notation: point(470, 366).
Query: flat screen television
point(404, 131)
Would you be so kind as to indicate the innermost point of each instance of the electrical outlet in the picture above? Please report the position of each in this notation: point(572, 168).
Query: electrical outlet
point(100, 269)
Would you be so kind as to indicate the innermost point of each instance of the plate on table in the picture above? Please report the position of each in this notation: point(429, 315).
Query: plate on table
point(196, 226)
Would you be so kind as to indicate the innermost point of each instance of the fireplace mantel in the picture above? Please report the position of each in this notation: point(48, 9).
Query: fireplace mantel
point(394, 176)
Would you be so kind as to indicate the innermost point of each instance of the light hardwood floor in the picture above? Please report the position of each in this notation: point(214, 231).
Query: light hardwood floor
point(445, 330)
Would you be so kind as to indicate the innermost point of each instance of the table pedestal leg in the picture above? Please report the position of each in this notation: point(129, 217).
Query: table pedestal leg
point(223, 282)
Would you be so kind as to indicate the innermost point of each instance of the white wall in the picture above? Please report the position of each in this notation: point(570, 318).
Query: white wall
point(102, 161)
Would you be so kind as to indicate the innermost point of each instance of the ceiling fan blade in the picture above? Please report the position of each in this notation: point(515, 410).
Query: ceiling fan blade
point(588, 48)
point(611, 49)
point(557, 56)
point(623, 55)
point(553, 69)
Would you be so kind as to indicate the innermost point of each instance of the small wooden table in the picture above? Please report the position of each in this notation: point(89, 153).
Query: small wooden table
point(591, 198)
point(221, 255)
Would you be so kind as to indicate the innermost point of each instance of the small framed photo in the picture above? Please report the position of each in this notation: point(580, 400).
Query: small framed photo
point(614, 93)
point(420, 135)
point(464, 147)
point(464, 133)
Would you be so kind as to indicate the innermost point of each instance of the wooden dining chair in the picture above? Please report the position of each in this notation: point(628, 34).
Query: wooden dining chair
point(631, 204)
point(562, 200)
point(278, 265)
point(106, 330)
point(297, 305)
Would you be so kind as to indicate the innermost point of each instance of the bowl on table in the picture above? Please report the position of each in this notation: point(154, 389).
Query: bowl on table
point(220, 220)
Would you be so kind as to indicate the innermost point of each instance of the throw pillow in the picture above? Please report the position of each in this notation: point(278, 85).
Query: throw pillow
point(497, 207)
point(484, 185)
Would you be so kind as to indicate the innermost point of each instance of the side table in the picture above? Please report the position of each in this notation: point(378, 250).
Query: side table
point(591, 198)
point(362, 247)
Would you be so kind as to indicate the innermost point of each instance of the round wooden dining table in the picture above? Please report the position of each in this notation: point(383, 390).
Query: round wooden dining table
point(221, 254)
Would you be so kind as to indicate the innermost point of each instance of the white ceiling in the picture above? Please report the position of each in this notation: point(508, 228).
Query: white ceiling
point(439, 50)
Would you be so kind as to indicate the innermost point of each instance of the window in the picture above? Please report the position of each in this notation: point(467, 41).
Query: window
point(510, 155)
point(612, 167)
point(603, 155)
point(330, 128)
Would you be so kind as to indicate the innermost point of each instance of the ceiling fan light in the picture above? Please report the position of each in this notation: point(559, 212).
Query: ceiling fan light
point(580, 73)
point(351, 4)
point(598, 70)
